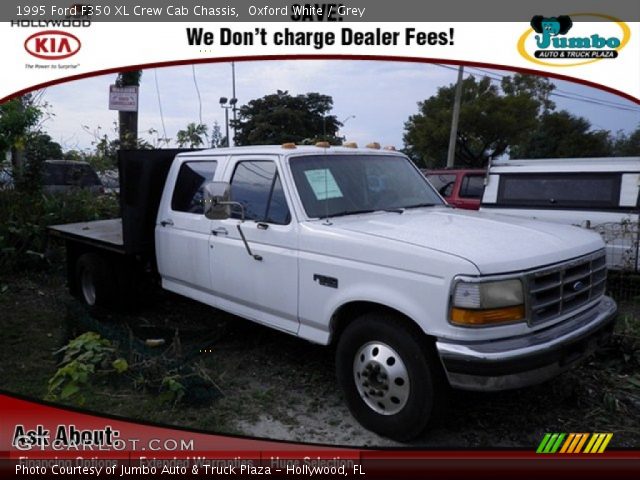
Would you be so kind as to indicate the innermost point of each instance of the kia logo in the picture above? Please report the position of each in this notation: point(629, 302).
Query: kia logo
point(52, 45)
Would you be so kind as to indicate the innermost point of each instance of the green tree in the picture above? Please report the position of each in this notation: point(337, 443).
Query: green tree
point(280, 118)
point(490, 122)
point(217, 139)
point(563, 135)
point(193, 136)
point(627, 145)
point(104, 155)
point(18, 117)
point(38, 147)
point(538, 88)
point(40, 144)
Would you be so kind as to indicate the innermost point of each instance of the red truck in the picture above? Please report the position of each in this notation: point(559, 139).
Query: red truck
point(461, 188)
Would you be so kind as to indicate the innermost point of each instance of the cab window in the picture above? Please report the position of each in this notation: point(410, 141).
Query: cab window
point(188, 195)
point(443, 183)
point(257, 186)
point(472, 186)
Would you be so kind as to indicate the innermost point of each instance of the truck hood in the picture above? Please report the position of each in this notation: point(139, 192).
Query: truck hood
point(493, 243)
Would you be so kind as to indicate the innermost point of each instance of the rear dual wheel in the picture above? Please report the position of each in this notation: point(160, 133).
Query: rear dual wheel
point(95, 281)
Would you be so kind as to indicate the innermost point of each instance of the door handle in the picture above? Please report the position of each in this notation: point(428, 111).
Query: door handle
point(220, 231)
point(166, 222)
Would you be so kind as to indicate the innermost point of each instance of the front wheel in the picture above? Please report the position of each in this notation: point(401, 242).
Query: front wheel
point(391, 382)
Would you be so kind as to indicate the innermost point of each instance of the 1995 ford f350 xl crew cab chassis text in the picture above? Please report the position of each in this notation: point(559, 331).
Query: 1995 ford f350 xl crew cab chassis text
point(353, 247)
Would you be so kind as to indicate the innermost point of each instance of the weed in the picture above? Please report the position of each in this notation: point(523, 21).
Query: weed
point(24, 218)
point(84, 357)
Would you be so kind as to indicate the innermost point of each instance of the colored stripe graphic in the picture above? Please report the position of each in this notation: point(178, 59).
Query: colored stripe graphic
point(598, 442)
point(543, 443)
point(550, 443)
point(571, 439)
point(573, 443)
point(581, 442)
point(606, 441)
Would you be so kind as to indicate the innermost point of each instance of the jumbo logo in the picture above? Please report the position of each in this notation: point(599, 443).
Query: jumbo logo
point(561, 42)
point(52, 45)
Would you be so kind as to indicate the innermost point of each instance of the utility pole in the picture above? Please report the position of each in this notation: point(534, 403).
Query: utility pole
point(451, 155)
point(231, 105)
point(127, 120)
point(226, 122)
point(233, 87)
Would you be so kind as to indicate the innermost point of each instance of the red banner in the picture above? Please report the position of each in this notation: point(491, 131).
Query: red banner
point(39, 440)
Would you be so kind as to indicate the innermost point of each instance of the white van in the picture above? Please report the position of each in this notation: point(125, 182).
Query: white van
point(596, 193)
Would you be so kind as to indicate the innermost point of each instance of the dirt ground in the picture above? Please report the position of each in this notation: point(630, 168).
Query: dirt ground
point(278, 387)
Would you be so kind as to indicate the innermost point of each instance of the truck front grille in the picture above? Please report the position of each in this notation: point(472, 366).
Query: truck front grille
point(560, 289)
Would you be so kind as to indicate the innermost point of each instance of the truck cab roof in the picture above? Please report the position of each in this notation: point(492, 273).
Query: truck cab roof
point(291, 150)
point(548, 165)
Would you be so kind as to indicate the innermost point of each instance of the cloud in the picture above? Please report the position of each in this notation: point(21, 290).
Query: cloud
point(381, 95)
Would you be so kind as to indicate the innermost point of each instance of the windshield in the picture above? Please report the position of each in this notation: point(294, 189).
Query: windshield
point(333, 185)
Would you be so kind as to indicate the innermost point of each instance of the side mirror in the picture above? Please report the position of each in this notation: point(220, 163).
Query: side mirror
point(216, 200)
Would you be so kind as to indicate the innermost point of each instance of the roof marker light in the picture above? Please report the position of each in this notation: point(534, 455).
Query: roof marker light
point(350, 145)
point(390, 147)
point(323, 144)
point(289, 146)
point(374, 145)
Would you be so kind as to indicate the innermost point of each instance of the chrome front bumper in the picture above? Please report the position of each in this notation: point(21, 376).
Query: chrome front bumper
point(529, 359)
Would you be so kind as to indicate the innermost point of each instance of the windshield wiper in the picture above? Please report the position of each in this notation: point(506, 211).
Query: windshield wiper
point(420, 205)
point(394, 210)
point(349, 212)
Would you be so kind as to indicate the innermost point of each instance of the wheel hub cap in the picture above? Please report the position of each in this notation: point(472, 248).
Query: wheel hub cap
point(88, 287)
point(381, 378)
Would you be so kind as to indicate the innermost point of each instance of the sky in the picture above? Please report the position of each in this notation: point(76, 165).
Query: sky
point(372, 98)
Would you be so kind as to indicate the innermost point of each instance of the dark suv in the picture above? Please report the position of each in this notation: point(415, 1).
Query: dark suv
point(61, 176)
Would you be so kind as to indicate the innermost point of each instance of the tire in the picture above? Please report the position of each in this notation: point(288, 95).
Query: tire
point(391, 380)
point(94, 281)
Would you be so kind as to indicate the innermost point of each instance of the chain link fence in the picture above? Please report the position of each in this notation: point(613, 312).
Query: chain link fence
point(622, 240)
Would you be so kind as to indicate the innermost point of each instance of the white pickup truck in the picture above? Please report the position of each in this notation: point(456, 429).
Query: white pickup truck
point(353, 247)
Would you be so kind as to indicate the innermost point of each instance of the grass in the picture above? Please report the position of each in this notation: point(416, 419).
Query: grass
point(267, 374)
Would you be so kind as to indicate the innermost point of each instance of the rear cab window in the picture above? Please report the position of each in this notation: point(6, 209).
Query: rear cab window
point(560, 190)
point(188, 193)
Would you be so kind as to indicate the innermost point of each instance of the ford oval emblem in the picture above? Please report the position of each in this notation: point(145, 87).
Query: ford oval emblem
point(578, 286)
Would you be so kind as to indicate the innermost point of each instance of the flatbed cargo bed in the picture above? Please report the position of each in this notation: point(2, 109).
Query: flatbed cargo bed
point(105, 234)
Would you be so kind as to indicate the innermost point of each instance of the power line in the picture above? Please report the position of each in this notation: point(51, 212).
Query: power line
point(195, 82)
point(557, 92)
point(596, 102)
point(164, 130)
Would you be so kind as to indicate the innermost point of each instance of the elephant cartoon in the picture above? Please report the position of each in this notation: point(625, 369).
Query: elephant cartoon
point(550, 27)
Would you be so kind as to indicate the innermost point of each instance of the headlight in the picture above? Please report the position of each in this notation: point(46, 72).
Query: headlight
point(487, 303)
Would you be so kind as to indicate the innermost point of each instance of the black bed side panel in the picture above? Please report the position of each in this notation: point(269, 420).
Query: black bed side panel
point(142, 177)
